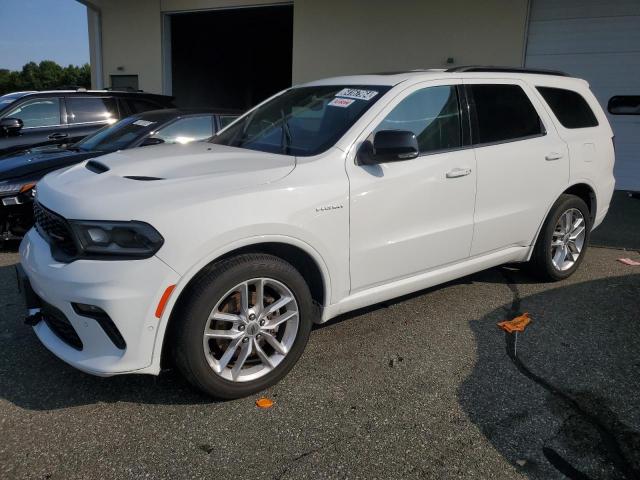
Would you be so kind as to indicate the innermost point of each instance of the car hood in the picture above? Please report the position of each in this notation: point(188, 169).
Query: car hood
point(33, 162)
point(132, 183)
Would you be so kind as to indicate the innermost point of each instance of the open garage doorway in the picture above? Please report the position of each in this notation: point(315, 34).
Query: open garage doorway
point(229, 58)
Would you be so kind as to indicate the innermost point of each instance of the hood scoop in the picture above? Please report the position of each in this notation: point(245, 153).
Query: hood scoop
point(96, 167)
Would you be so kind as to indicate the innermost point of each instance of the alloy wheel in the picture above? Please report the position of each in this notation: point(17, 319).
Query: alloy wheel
point(251, 329)
point(568, 239)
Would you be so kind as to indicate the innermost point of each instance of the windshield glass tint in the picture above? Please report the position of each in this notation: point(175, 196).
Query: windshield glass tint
point(117, 136)
point(302, 121)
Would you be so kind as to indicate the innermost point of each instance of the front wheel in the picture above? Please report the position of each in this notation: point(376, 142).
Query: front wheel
point(563, 239)
point(243, 325)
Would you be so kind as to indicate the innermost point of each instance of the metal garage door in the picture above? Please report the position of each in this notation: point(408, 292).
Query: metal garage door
point(598, 40)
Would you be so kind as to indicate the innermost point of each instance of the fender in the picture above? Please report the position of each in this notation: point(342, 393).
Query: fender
point(567, 187)
point(197, 267)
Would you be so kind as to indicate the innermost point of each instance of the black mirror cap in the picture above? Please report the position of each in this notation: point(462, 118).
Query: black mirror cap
point(394, 146)
point(11, 124)
point(151, 141)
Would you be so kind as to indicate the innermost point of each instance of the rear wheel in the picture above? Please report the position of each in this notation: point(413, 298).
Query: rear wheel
point(243, 325)
point(563, 240)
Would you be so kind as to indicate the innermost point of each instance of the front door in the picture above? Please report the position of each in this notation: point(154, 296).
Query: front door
point(42, 124)
point(411, 216)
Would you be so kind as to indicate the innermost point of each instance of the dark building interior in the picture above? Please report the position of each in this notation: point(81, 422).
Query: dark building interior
point(231, 58)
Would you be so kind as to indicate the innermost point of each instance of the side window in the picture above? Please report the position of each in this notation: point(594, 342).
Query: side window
point(139, 106)
point(433, 114)
point(39, 112)
point(504, 113)
point(624, 105)
point(569, 107)
point(226, 120)
point(91, 109)
point(186, 130)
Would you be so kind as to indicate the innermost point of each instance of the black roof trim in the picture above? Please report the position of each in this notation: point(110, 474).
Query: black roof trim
point(479, 68)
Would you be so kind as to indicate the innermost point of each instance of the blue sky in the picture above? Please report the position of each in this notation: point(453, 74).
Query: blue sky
point(43, 30)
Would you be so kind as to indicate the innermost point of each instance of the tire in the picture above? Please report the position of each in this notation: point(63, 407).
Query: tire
point(545, 262)
point(218, 292)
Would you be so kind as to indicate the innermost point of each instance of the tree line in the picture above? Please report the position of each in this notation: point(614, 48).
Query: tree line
point(46, 75)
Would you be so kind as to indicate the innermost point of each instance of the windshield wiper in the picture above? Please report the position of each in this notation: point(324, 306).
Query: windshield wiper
point(286, 134)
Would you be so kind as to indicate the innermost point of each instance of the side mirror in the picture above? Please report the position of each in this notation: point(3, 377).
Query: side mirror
point(390, 146)
point(11, 125)
point(151, 141)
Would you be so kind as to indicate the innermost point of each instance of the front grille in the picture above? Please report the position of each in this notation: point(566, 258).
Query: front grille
point(54, 229)
point(60, 325)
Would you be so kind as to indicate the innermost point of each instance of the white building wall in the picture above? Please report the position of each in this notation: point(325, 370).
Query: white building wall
point(598, 40)
point(334, 36)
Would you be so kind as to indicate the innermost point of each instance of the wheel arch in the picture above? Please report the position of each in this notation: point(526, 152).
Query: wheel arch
point(300, 255)
point(580, 189)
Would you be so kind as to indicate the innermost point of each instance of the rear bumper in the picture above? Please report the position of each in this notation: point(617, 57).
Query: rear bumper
point(128, 291)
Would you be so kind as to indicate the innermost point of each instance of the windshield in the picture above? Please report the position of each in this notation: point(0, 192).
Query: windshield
point(302, 121)
point(117, 136)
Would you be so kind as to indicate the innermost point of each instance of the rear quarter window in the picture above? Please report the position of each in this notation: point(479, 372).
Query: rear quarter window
point(140, 106)
point(91, 110)
point(569, 107)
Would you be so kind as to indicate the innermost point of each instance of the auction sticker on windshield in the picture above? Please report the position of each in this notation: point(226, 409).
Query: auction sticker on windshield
point(341, 102)
point(143, 123)
point(357, 93)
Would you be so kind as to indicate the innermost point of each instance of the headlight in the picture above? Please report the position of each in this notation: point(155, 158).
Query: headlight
point(14, 187)
point(116, 239)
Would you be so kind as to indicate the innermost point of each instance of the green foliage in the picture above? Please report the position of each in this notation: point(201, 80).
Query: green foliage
point(46, 75)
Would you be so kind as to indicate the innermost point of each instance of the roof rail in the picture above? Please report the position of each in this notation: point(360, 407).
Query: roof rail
point(477, 68)
point(123, 89)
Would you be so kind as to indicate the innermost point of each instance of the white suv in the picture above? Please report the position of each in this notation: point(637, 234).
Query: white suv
point(325, 198)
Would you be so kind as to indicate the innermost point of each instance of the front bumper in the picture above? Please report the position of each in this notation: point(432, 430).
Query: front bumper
point(128, 291)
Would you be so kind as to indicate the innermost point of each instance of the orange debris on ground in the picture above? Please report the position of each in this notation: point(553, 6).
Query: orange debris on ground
point(628, 261)
point(264, 402)
point(518, 324)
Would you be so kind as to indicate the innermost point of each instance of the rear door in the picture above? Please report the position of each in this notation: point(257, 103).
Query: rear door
point(522, 163)
point(42, 119)
point(85, 115)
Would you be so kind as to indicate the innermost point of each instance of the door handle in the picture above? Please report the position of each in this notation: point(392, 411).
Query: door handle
point(553, 156)
point(458, 172)
point(57, 136)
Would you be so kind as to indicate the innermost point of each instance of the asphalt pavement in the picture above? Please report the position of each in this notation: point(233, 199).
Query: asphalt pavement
point(425, 386)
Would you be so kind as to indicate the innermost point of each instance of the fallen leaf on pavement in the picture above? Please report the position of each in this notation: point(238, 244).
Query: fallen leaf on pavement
point(628, 261)
point(264, 402)
point(518, 324)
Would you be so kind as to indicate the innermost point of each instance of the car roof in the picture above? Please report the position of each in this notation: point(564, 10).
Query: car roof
point(83, 92)
point(392, 79)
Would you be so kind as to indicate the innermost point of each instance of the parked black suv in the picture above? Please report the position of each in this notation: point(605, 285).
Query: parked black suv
point(65, 116)
point(20, 171)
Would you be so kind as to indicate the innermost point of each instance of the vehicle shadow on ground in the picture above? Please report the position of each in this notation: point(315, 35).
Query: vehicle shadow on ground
point(33, 378)
point(565, 403)
point(620, 226)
